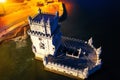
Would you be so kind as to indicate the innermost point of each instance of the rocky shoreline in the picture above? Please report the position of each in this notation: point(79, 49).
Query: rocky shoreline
point(17, 34)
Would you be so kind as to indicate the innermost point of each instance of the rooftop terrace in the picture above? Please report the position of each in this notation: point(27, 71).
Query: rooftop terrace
point(87, 57)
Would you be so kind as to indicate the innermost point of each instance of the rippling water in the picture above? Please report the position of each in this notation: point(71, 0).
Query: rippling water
point(85, 18)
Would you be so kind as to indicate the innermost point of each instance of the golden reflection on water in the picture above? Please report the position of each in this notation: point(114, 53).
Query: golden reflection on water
point(69, 6)
point(19, 64)
point(1, 23)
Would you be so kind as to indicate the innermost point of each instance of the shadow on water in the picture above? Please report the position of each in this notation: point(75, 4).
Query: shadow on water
point(90, 20)
point(64, 16)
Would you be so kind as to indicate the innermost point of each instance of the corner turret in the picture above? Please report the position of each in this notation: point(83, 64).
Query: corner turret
point(30, 19)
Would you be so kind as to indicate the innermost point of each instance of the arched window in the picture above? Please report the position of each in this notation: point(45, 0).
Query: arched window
point(42, 45)
point(34, 49)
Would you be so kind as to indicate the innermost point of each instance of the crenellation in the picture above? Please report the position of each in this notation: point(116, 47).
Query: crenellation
point(98, 51)
point(68, 70)
point(47, 41)
point(90, 41)
point(39, 34)
point(98, 62)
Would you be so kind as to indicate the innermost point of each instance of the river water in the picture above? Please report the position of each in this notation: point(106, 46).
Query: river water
point(85, 19)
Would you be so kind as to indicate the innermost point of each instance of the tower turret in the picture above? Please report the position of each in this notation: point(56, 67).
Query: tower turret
point(29, 19)
point(48, 30)
point(39, 11)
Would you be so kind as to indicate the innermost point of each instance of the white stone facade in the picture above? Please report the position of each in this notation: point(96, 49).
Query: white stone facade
point(46, 39)
point(45, 36)
point(66, 69)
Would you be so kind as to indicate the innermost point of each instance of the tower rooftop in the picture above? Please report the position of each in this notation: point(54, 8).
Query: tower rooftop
point(41, 16)
point(70, 56)
point(44, 23)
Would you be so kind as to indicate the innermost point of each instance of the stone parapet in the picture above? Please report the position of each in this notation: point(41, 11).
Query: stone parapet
point(38, 34)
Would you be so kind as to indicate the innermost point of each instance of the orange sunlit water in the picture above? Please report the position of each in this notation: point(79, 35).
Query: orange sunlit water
point(52, 8)
point(2, 1)
point(15, 16)
point(2, 23)
point(25, 11)
point(69, 6)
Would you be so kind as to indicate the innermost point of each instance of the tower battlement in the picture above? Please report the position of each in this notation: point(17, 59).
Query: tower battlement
point(39, 34)
point(44, 33)
point(65, 55)
point(44, 23)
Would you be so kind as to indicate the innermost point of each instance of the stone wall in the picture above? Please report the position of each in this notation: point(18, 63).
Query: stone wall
point(67, 70)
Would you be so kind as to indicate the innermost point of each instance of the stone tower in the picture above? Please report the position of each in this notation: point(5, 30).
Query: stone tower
point(45, 34)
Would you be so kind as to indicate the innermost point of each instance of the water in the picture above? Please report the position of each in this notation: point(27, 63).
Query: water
point(85, 19)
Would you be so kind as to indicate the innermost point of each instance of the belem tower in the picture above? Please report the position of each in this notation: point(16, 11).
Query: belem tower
point(62, 55)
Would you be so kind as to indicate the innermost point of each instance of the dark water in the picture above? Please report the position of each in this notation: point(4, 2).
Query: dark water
point(85, 19)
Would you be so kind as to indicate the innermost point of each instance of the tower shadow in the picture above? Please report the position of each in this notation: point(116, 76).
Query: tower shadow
point(64, 16)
